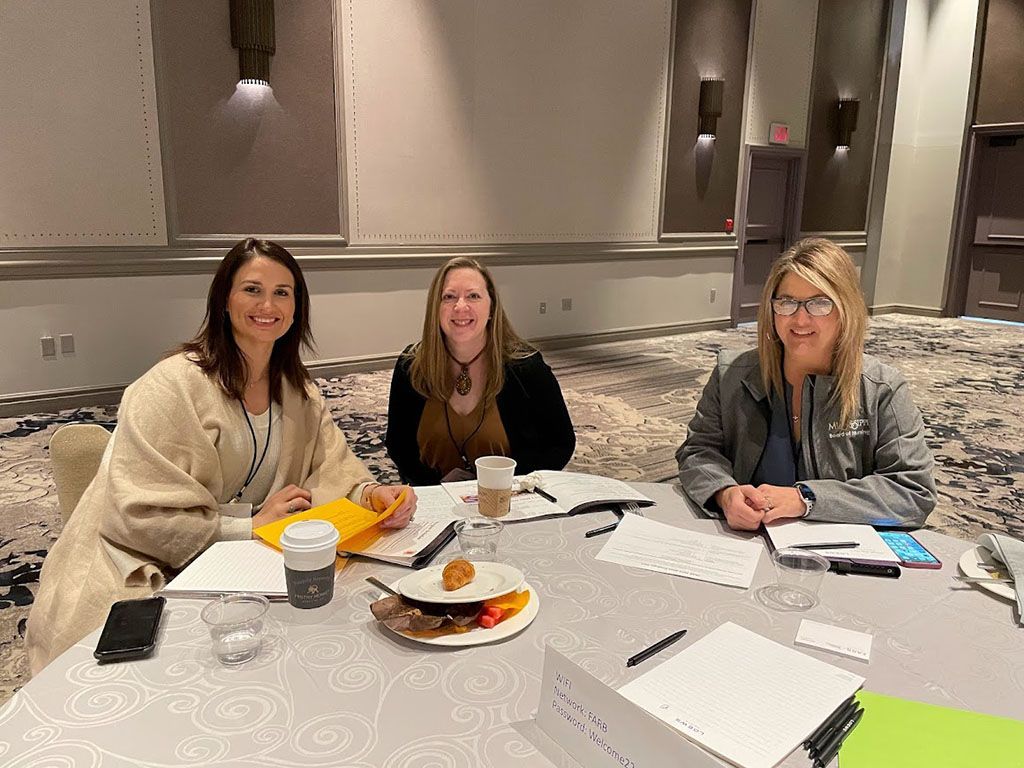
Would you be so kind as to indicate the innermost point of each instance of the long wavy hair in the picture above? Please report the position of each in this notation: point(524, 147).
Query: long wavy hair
point(214, 348)
point(830, 269)
point(430, 372)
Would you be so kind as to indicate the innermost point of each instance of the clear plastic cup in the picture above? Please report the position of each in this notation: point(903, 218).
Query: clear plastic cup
point(798, 577)
point(236, 626)
point(478, 537)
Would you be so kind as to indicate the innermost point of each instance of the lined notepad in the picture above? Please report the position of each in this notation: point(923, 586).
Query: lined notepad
point(742, 696)
point(232, 566)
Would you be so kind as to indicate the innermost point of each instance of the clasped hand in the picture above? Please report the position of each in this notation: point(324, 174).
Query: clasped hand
point(746, 507)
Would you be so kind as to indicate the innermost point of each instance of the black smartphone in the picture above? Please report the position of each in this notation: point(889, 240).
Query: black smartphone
point(130, 630)
point(909, 550)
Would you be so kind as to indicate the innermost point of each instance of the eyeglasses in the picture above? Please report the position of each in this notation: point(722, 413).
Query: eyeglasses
point(819, 306)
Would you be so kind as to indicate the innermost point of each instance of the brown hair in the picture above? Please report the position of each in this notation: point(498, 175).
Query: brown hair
point(214, 349)
point(430, 373)
point(830, 269)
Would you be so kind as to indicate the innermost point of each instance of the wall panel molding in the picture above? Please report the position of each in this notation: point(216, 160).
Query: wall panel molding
point(496, 122)
point(81, 150)
point(711, 40)
point(95, 262)
point(849, 60)
point(245, 158)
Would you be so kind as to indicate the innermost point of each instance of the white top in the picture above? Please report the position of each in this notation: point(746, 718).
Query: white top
point(256, 492)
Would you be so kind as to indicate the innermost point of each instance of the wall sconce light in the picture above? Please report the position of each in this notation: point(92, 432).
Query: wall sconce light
point(252, 33)
point(846, 121)
point(710, 106)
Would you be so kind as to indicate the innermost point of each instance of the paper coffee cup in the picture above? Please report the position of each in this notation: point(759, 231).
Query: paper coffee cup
point(494, 484)
point(310, 549)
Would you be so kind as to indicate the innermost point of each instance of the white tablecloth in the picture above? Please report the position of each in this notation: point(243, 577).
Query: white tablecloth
point(331, 687)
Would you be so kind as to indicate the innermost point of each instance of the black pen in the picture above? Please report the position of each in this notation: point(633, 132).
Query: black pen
point(540, 491)
point(826, 545)
point(825, 757)
point(839, 714)
point(661, 645)
point(824, 742)
point(602, 529)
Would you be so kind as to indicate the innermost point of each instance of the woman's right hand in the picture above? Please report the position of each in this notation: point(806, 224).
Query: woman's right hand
point(743, 505)
point(287, 501)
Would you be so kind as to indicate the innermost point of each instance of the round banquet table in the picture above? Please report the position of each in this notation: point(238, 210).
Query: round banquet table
point(330, 687)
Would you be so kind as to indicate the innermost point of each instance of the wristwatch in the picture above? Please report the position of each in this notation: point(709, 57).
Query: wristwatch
point(808, 496)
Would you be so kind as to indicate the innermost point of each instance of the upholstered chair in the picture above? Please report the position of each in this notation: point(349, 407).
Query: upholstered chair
point(75, 454)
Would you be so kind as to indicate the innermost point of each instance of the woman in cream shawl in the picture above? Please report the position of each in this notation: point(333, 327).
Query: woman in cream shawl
point(228, 434)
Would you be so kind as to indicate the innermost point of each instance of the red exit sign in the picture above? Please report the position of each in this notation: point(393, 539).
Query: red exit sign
point(778, 133)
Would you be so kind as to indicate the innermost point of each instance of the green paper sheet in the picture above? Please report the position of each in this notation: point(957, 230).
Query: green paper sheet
point(897, 732)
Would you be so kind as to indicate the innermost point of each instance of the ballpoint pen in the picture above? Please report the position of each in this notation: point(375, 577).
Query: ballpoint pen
point(602, 529)
point(825, 756)
point(832, 734)
point(826, 545)
point(646, 653)
point(541, 492)
point(838, 715)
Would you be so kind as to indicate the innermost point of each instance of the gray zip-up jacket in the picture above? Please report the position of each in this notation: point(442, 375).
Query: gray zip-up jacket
point(875, 469)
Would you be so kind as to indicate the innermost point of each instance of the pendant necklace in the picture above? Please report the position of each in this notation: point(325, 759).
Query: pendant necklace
point(463, 381)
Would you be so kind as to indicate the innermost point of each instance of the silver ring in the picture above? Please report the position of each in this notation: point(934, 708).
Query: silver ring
point(291, 508)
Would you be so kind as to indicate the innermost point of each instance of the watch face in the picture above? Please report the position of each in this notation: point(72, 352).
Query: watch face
point(805, 491)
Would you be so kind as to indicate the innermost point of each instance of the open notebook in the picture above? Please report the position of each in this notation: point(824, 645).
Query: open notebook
point(573, 493)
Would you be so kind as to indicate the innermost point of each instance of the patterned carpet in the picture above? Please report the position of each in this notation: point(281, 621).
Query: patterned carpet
point(630, 402)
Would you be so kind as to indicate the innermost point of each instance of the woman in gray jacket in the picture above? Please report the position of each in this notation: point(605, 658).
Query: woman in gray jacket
point(807, 425)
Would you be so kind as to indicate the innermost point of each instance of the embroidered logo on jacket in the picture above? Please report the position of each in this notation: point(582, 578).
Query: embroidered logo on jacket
point(855, 428)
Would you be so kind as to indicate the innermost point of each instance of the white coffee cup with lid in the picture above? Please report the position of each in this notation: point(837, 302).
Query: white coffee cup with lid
point(310, 549)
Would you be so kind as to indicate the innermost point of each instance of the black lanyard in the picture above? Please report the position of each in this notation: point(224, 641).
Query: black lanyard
point(254, 468)
point(462, 448)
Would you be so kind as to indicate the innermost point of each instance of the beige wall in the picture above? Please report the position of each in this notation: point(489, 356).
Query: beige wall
point(781, 61)
point(931, 111)
point(79, 146)
point(122, 325)
point(532, 121)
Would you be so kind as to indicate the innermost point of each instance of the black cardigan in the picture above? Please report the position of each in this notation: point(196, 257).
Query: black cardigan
point(532, 411)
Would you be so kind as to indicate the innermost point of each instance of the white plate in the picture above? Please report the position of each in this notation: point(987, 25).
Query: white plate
point(481, 636)
point(969, 566)
point(491, 580)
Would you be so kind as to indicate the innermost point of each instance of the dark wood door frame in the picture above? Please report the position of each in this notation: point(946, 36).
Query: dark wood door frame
point(955, 299)
point(797, 159)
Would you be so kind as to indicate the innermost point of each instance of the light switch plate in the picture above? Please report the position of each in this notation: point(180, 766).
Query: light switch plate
point(48, 345)
point(67, 344)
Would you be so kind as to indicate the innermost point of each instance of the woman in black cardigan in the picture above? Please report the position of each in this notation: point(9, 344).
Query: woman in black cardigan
point(471, 387)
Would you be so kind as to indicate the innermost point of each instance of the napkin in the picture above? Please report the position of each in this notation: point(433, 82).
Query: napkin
point(1010, 552)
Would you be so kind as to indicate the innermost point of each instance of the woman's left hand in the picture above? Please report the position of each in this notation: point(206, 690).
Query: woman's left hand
point(383, 496)
point(783, 501)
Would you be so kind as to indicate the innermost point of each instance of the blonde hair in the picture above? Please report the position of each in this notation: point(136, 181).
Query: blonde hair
point(830, 269)
point(430, 373)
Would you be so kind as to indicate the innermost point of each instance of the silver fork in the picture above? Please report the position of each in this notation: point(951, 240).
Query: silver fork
point(633, 509)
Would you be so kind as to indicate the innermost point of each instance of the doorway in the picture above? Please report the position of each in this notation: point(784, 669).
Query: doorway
point(988, 271)
point(769, 222)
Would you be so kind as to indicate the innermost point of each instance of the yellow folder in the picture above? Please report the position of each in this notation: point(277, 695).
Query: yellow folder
point(357, 526)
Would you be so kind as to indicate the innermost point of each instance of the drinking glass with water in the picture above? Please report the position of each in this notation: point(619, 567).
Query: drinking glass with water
point(236, 626)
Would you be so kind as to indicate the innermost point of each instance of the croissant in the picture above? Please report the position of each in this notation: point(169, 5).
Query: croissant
point(457, 574)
